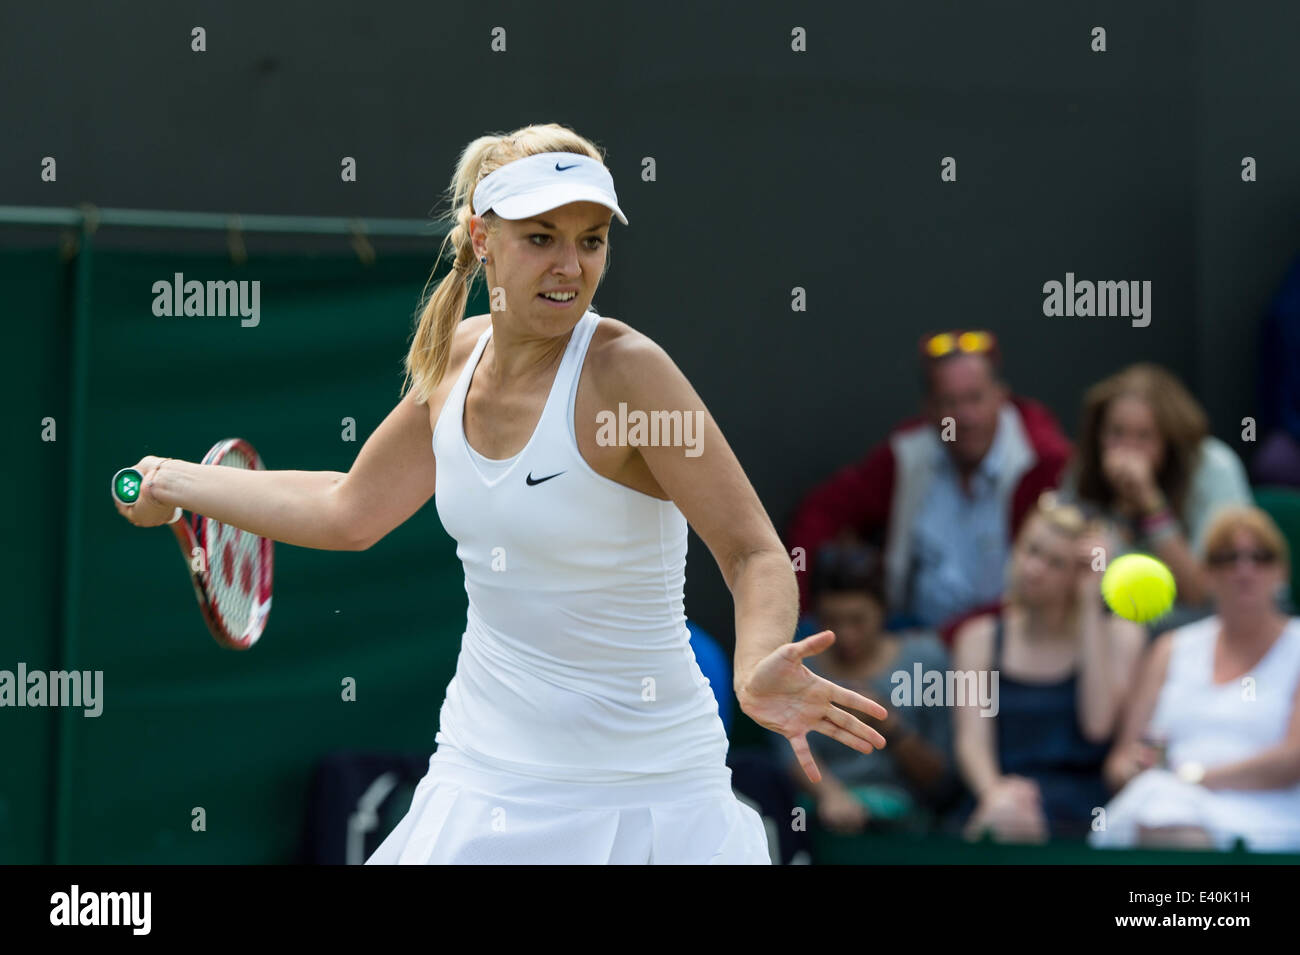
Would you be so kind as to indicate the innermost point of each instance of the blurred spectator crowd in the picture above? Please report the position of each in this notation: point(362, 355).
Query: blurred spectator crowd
point(958, 563)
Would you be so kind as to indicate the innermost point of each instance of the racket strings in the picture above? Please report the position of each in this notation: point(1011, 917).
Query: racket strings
point(236, 565)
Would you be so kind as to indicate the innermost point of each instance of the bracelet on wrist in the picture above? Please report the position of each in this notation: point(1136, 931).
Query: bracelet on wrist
point(1161, 531)
point(1158, 524)
point(1150, 519)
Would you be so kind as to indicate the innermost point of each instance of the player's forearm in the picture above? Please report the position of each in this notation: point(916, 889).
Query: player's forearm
point(767, 609)
point(293, 507)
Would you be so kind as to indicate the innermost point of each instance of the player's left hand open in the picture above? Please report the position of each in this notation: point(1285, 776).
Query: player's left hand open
point(786, 697)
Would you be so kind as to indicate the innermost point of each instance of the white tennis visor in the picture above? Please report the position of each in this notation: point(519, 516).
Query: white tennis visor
point(545, 181)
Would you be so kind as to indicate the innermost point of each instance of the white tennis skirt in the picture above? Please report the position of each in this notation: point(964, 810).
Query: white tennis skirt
point(463, 813)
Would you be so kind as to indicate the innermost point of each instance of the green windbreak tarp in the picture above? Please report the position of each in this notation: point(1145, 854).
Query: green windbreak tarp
point(186, 725)
point(35, 311)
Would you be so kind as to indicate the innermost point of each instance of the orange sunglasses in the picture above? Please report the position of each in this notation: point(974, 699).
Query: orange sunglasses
point(968, 342)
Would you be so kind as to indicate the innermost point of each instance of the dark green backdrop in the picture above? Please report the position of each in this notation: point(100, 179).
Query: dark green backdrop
point(185, 723)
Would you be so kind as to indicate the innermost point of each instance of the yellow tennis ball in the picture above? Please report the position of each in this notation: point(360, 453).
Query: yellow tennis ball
point(1138, 587)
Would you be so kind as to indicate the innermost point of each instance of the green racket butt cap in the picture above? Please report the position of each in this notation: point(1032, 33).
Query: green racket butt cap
point(127, 484)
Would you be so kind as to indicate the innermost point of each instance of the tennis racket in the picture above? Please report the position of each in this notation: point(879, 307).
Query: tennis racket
point(230, 568)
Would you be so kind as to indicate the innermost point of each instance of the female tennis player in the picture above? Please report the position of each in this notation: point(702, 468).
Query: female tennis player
point(578, 727)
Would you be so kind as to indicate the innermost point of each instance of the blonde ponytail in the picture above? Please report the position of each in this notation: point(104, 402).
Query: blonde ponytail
point(439, 313)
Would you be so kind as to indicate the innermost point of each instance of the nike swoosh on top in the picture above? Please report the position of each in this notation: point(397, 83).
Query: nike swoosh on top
point(559, 168)
point(530, 480)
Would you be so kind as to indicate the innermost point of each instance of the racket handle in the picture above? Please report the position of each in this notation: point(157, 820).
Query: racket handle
point(127, 485)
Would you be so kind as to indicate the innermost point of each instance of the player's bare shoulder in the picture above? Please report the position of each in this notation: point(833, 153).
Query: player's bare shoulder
point(623, 361)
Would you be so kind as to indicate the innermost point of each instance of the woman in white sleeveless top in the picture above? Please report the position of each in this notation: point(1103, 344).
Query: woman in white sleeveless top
point(1210, 749)
point(568, 453)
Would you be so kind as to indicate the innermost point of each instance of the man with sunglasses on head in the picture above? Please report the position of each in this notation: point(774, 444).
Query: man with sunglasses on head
point(946, 491)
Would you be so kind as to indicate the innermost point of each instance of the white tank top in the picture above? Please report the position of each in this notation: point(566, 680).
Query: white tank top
point(1214, 725)
point(575, 662)
point(490, 468)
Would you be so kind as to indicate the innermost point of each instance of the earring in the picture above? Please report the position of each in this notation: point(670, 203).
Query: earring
point(483, 259)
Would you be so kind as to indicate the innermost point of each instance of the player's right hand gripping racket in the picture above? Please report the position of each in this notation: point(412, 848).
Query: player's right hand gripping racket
point(230, 568)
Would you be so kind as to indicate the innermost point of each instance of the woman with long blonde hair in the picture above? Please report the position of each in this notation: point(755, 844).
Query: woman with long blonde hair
point(1033, 761)
point(568, 453)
